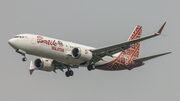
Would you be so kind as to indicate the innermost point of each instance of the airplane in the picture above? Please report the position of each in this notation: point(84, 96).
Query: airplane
point(58, 54)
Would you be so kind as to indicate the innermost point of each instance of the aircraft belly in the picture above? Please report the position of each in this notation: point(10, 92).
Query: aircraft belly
point(57, 54)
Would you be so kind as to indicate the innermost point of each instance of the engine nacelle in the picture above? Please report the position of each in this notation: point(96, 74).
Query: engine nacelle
point(82, 54)
point(44, 64)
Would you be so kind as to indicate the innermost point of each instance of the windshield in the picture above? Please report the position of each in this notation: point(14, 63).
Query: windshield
point(19, 36)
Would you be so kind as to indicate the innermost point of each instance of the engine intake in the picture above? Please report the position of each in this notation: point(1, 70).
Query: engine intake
point(76, 53)
point(44, 64)
point(82, 54)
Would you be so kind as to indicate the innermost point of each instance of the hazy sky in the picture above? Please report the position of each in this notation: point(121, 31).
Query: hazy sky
point(95, 23)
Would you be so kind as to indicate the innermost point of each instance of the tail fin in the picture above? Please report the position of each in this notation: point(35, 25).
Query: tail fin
point(133, 51)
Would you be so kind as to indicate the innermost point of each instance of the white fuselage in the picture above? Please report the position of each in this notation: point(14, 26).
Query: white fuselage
point(66, 55)
point(51, 48)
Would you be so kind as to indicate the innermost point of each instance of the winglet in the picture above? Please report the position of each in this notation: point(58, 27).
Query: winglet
point(160, 30)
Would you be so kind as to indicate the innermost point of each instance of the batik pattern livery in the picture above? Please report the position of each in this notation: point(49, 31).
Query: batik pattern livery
point(125, 60)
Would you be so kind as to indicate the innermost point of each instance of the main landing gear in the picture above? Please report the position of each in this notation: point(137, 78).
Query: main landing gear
point(90, 67)
point(22, 53)
point(69, 72)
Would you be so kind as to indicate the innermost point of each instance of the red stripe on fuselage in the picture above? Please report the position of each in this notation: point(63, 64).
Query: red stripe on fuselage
point(115, 59)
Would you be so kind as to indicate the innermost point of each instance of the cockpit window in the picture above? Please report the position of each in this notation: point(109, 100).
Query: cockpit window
point(19, 36)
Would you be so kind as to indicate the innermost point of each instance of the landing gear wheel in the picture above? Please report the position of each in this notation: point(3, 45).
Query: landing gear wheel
point(90, 67)
point(24, 59)
point(69, 73)
point(93, 67)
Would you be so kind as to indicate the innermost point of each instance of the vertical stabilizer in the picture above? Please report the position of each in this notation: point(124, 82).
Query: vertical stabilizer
point(133, 51)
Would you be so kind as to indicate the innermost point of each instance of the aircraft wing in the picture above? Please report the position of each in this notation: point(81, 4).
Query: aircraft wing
point(99, 53)
point(150, 57)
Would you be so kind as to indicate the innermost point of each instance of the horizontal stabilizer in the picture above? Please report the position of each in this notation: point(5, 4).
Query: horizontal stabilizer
point(99, 53)
point(149, 57)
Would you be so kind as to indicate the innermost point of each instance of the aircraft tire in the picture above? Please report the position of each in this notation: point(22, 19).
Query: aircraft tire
point(89, 67)
point(93, 67)
point(67, 74)
point(24, 59)
point(71, 73)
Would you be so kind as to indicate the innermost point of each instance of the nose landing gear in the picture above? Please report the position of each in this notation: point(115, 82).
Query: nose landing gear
point(24, 59)
point(22, 53)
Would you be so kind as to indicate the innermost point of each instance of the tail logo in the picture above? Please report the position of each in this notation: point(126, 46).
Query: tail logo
point(125, 61)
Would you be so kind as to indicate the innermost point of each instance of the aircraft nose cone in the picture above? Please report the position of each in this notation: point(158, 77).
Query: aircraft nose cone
point(12, 42)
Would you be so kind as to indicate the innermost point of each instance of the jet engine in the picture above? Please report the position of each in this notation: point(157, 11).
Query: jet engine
point(82, 54)
point(44, 64)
